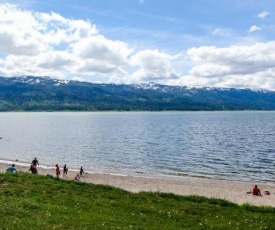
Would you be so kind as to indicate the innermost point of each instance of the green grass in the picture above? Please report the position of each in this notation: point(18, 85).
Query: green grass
point(36, 202)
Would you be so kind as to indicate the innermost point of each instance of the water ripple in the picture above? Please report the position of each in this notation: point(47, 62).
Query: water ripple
point(228, 145)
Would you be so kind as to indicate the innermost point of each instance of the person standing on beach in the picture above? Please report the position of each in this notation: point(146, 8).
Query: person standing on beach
point(35, 162)
point(57, 170)
point(65, 171)
point(81, 171)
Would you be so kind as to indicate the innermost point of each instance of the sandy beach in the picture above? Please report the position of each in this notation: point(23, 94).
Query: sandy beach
point(234, 191)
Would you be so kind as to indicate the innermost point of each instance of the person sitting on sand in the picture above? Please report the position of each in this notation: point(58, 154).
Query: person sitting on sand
point(256, 191)
point(57, 170)
point(12, 168)
point(33, 169)
point(77, 177)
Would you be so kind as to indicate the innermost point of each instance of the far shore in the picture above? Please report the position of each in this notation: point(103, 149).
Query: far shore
point(234, 191)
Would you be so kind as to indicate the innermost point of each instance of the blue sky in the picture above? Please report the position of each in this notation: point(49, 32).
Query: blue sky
point(216, 43)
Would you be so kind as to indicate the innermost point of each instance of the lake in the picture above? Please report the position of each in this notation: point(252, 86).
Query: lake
point(226, 145)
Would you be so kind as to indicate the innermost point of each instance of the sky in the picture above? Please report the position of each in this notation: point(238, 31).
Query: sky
point(198, 43)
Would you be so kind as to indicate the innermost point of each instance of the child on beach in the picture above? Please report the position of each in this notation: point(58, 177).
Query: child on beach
point(12, 168)
point(77, 177)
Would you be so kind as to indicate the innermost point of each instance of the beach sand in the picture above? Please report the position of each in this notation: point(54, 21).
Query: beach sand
point(234, 191)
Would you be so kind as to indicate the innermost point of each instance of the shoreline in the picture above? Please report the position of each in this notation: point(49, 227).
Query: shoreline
point(145, 175)
point(234, 191)
point(177, 177)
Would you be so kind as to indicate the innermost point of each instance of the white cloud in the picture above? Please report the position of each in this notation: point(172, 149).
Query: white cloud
point(234, 66)
point(18, 32)
point(98, 47)
point(218, 31)
point(48, 44)
point(254, 29)
point(153, 65)
point(263, 14)
point(226, 33)
point(55, 60)
point(234, 59)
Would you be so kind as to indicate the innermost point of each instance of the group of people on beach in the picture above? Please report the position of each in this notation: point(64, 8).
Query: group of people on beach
point(35, 163)
point(58, 171)
point(65, 172)
point(33, 169)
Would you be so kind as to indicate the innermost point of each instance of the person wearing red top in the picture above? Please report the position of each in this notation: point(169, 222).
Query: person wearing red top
point(57, 170)
point(33, 169)
point(256, 191)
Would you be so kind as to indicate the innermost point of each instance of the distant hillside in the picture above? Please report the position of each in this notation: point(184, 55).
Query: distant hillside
point(46, 94)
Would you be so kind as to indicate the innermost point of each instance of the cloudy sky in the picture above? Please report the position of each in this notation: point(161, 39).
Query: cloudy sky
point(216, 43)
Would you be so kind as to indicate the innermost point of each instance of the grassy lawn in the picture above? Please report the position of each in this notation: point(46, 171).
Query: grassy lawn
point(36, 202)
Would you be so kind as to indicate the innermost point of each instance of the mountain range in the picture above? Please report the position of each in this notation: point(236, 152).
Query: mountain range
point(31, 93)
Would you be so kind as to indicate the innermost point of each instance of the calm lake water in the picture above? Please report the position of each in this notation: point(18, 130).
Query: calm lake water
point(229, 145)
